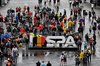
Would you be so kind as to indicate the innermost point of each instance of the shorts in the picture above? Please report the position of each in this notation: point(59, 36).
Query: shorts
point(9, 49)
point(62, 59)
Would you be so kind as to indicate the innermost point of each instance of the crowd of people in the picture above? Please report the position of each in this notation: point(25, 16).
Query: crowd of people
point(48, 22)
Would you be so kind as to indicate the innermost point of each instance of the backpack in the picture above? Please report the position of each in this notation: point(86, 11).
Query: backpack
point(74, 21)
point(80, 42)
point(90, 41)
point(89, 51)
point(94, 42)
point(83, 28)
point(20, 44)
point(86, 36)
point(85, 44)
point(45, 31)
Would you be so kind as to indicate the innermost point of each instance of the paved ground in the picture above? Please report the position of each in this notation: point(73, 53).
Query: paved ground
point(54, 56)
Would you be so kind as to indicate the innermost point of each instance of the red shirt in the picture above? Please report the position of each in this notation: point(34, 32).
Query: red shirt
point(22, 30)
point(41, 27)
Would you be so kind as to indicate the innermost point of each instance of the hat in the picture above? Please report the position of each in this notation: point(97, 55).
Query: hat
point(14, 46)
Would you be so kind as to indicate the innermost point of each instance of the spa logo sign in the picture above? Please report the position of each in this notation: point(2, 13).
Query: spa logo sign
point(53, 41)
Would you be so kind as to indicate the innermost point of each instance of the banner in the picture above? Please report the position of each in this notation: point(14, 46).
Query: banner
point(52, 42)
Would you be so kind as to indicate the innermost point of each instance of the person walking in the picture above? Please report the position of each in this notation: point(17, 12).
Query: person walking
point(94, 43)
point(99, 28)
point(85, 45)
point(11, 15)
point(92, 6)
point(94, 29)
point(64, 31)
point(89, 51)
point(17, 19)
point(70, 3)
point(79, 42)
point(57, 8)
point(87, 37)
point(49, 2)
point(28, 8)
point(43, 64)
point(85, 60)
point(90, 29)
point(62, 59)
point(49, 64)
point(54, 1)
point(15, 53)
point(89, 15)
point(58, 1)
point(91, 41)
point(65, 19)
point(77, 61)
point(65, 60)
point(81, 56)
point(38, 63)
point(45, 1)
point(70, 24)
point(87, 54)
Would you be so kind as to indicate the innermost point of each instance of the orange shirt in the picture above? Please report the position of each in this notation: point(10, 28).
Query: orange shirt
point(52, 26)
point(24, 9)
point(62, 24)
point(17, 9)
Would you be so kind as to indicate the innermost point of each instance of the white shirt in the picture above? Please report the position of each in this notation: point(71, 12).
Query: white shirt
point(5, 62)
point(92, 5)
point(61, 57)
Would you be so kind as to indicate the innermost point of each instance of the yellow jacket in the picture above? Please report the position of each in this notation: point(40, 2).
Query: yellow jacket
point(70, 23)
point(64, 30)
point(81, 55)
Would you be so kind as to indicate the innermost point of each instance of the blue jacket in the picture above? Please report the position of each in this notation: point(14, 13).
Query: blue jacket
point(11, 15)
point(16, 17)
point(43, 64)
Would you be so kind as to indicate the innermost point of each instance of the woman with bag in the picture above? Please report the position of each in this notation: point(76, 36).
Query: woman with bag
point(62, 59)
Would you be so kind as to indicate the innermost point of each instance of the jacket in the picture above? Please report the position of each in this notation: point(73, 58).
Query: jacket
point(49, 64)
point(62, 24)
point(70, 23)
point(81, 55)
point(64, 30)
